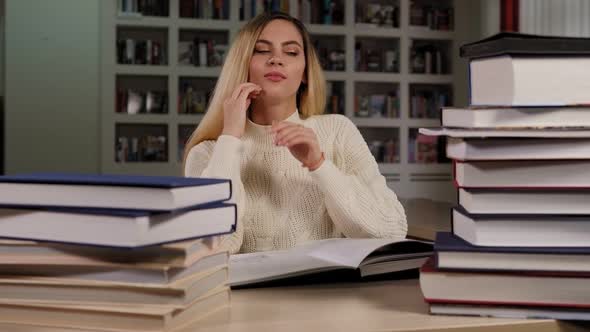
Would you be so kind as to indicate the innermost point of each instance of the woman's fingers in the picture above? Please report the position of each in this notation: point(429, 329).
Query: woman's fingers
point(247, 90)
point(286, 131)
point(240, 88)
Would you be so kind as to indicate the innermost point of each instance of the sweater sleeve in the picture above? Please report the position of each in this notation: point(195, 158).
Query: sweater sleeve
point(221, 159)
point(358, 199)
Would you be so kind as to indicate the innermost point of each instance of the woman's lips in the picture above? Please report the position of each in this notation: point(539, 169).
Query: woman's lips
point(275, 76)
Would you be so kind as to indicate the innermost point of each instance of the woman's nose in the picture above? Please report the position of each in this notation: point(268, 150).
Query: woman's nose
point(275, 60)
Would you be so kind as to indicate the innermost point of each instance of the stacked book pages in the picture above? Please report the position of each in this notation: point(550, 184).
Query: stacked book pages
point(113, 252)
point(520, 240)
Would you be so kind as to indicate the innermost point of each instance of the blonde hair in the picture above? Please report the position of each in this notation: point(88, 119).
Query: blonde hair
point(235, 72)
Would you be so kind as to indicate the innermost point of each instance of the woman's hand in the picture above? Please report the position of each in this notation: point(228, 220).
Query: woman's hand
point(235, 108)
point(301, 141)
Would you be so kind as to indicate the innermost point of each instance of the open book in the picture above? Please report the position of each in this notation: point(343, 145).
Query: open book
point(365, 257)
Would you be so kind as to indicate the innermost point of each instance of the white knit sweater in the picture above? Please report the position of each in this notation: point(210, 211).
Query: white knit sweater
point(281, 204)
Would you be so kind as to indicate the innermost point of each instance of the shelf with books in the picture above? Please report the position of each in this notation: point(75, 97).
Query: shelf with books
point(250, 8)
point(204, 9)
point(141, 143)
point(377, 14)
point(376, 101)
point(327, 12)
point(146, 46)
point(194, 94)
point(431, 57)
point(432, 14)
point(383, 143)
point(427, 99)
point(335, 42)
point(426, 149)
point(375, 54)
point(331, 51)
point(335, 97)
point(202, 48)
point(141, 94)
point(142, 8)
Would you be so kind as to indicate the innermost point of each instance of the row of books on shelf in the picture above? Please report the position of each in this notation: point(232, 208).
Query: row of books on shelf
point(523, 175)
point(191, 100)
point(131, 101)
point(426, 150)
point(146, 148)
point(140, 52)
point(320, 11)
point(308, 11)
point(204, 9)
point(377, 15)
point(113, 252)
point(251, 8)
point(377, 106)
point(143, 8)
point(427, 103)
point(201, 52)
point(375, 59)
point(330, 59)
point(427, 59)
point(432, 16)
point(385, 151)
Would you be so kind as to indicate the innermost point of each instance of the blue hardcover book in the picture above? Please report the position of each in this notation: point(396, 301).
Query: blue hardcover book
point(454, 253)
point(155, 193)
point(122, 228)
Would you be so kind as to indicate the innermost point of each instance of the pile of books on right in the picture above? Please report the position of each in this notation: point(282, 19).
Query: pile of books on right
point(520, 240)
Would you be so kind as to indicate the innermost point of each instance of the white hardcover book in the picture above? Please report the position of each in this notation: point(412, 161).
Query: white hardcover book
point(541, 174)
point(508, 80)
point(518, 148)
point(529, 117)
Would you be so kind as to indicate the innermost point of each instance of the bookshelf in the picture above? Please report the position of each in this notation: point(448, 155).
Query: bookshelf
point(388, 87)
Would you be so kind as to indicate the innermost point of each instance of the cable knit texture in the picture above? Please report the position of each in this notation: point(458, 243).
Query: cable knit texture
point(282, 204)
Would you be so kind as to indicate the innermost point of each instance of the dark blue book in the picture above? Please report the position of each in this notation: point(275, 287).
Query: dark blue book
point(121, 228)
point(455, 253)
point(155, 193)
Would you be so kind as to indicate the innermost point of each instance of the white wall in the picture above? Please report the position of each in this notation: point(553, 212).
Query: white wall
point(558, 18)
point(52, 85)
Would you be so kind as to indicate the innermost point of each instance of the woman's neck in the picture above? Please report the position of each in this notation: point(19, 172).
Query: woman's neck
point(264, 113)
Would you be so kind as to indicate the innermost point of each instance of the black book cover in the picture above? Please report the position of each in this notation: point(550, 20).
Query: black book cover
point(524, 44)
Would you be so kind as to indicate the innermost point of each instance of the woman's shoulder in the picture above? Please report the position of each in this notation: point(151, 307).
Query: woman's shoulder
point(203, 148)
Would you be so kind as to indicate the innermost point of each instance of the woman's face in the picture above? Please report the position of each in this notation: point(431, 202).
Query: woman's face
point(278, 62)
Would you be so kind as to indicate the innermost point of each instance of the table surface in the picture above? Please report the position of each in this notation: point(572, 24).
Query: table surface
point(373, 306)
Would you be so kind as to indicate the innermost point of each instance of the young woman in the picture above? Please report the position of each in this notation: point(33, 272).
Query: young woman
point(297, 175)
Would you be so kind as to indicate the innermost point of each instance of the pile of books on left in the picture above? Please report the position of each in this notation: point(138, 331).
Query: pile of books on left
point(113, 252)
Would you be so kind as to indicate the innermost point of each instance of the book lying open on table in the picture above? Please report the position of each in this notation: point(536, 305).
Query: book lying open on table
point(365, 257)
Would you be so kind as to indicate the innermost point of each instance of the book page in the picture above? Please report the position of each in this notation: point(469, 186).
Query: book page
point(310, 257)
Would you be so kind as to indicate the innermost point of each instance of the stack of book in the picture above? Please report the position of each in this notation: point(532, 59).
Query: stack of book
point(112, 252)
point(520, 241)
